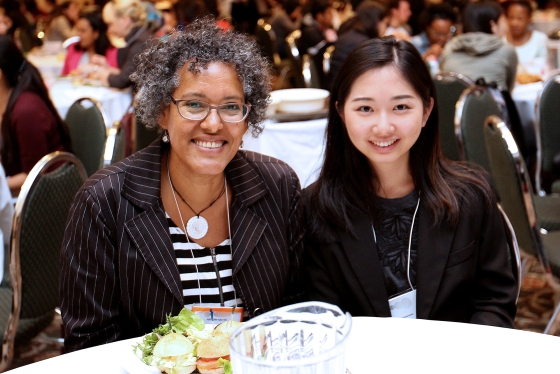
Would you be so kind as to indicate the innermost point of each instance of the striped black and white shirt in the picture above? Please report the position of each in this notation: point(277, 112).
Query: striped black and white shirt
point(198, 273)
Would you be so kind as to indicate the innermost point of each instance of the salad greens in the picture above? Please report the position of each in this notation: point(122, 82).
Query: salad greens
point(226, 364)
point(185, 320)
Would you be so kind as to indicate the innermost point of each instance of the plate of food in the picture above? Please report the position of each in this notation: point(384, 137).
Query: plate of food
point(183, 345)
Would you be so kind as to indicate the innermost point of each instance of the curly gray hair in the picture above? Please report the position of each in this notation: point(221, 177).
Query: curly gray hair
point(199, 44)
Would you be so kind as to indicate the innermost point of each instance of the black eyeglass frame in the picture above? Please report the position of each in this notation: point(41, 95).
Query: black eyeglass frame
point(210, 107)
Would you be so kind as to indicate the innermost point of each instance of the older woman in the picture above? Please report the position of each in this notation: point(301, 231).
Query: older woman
point(125, 19)
point(190, 220)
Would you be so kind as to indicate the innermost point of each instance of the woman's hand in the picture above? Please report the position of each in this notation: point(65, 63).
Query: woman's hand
point(99, 60)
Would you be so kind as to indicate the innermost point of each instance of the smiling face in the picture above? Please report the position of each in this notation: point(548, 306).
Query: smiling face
point(204, 147)
point(384, 117)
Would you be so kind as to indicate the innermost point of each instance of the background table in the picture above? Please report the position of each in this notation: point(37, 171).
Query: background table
point(377, 345)
point(299, 144)
point(115, 102)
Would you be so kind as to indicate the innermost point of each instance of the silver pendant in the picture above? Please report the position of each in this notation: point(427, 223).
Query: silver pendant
point(197, 227)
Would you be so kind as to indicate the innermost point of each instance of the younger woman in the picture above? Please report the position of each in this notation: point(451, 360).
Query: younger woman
point(93, 41)
point(389, 217)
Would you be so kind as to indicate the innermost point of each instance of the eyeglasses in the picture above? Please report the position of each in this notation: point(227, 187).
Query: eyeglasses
point(197, 110)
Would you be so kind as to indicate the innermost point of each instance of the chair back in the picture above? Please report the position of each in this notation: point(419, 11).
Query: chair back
point(327, 56)
point(88, 123)
point(474, 106)
point(142, 136)
point(513, 185)
point(309, 72)
point(547, 126)
point(37, 232)
point(266, 38)
point(514, 254)
point(295, 58)
point(115, 146)
point(449, 87)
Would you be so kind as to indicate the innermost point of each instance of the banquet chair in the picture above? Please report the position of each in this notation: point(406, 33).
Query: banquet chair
point(266, 38)
point(295, 58)
point(514, 253)
point(309, 72)
point(327, 56)
point(88, 123)
point(142, 137)
point(115, 145)
point(475, 105)
point(547, 126)
point(514, 187)
point(37, 233)
point(449, 87)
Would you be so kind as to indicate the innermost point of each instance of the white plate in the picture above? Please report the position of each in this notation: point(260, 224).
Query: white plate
point(300, 100)
point(132, 363)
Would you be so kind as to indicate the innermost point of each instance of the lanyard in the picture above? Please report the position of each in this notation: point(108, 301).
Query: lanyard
point(409, 243)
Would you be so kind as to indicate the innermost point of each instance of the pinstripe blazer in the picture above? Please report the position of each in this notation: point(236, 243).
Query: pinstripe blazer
point(119, 275)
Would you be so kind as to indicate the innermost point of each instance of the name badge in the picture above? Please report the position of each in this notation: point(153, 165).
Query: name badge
point(218, 314)
point(403, 306)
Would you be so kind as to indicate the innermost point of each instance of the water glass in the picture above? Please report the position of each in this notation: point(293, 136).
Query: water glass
point(305, 338)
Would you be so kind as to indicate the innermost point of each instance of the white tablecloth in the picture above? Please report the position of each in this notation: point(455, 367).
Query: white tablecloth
point(525, 98)
point(376, 345)
point(115, 102)
point(50, 66)
point(299, 144)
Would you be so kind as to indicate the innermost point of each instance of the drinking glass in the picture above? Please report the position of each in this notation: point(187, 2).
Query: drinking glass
point(304, 338)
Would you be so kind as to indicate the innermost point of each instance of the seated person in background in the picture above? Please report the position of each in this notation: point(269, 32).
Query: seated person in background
point(31, 127)
point(437, 21)
point(370, 21)
point(132, 229)
point(182, 13)
point(530, 45)
point(93, 41)
point(317, 34)
point(125, 19)
point(399, 14)
point(62, 22)
point(286, 18)
point(5, 22)
point(390, 218)
point(480, 52)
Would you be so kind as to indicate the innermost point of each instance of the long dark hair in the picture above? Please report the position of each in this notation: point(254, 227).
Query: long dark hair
point(95, 20)
point(367, 18)
point(477, 16)
point(22, 76)
point(347, 182)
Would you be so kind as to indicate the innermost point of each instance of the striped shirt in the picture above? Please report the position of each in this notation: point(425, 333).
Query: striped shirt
point(196, 265)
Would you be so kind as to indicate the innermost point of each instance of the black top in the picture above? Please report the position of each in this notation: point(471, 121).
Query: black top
point(392, 231)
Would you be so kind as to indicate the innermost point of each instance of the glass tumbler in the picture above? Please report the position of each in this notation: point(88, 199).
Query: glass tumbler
point(304, 338)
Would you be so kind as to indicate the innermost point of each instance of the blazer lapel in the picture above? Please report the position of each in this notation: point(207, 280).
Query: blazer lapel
point(363, 257)
point(248, 187)
point(147, 229)
point(434, 244)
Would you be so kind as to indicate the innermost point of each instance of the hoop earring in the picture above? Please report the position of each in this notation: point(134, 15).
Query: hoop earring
point(165, 137)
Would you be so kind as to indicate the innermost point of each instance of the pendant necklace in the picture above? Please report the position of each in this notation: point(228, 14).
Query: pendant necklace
point(197, 226)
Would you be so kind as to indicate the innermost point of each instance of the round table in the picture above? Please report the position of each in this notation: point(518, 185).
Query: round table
point(375, 345)
point(115, 102)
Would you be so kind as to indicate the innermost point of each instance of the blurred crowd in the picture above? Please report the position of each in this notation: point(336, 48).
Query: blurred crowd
point(483, 39)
